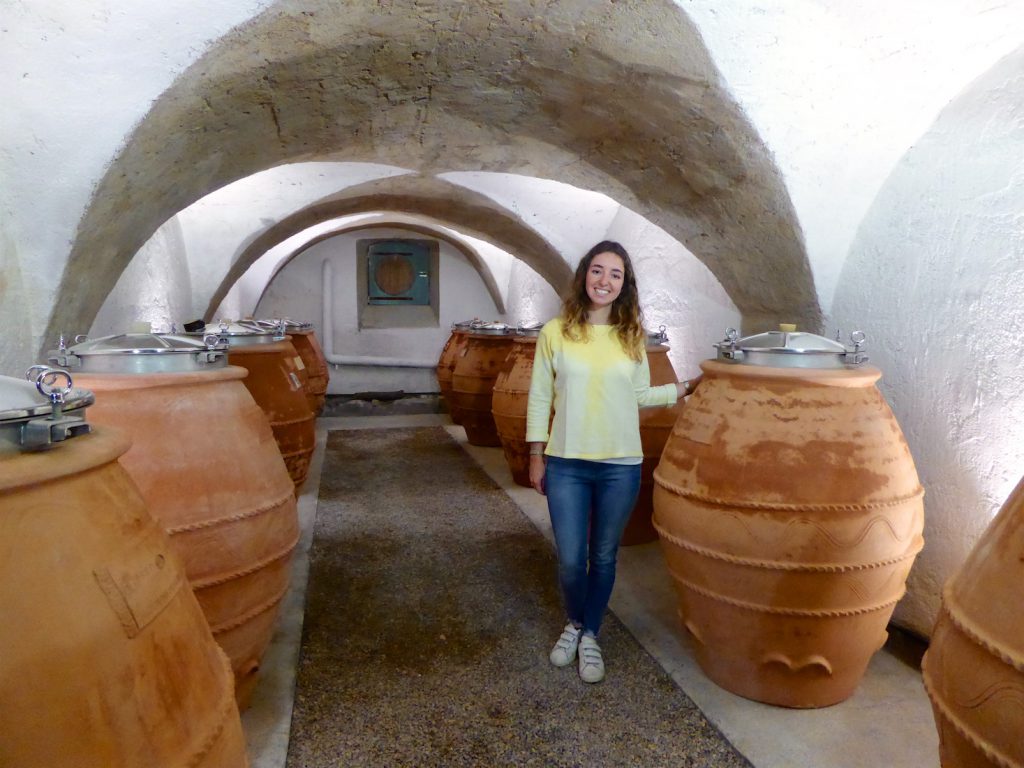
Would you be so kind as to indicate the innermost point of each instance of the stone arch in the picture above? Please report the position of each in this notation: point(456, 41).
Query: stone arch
point(396, 222)
point(620, 98)
point(444, 203)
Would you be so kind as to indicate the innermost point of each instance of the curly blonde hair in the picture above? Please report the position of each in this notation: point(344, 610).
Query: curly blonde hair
point(626, 316)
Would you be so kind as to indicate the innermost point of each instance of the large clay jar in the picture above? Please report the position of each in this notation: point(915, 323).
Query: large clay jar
point(790, 512)
point(277, 381)
point(311, 354)
point(476, 369)
point(450, 355)
point(204, 457)
point(974, 666)
point(106, 658)
point(655, 427)
point(509, 400)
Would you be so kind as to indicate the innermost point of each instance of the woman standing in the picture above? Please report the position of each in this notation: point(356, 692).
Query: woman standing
point(590, 369)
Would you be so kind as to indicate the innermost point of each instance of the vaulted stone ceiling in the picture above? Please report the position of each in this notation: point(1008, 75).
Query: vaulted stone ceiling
point(446, 204)
point(618, 97)
point(435, 230)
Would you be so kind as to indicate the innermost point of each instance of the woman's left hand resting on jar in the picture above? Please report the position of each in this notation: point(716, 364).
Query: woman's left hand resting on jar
point(686, 388)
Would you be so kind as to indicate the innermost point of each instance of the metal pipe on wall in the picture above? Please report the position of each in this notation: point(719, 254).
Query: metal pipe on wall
point(328, 335)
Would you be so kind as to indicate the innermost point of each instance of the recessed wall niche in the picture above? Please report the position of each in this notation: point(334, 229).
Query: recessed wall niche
point(397, 282)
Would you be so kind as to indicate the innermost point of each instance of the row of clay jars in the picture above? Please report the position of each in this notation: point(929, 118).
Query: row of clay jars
point(790, 513)
point(106, 657)
point(974, 667)
point(478, 365)
point(207, 463)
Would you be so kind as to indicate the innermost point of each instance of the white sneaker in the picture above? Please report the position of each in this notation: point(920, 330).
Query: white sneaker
point(591, 663)
point(564, 652)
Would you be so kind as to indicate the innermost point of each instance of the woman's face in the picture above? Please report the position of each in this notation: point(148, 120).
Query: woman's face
point(604, 279)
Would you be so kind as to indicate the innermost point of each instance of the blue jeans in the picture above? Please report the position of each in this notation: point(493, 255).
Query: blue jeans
point(589, 503)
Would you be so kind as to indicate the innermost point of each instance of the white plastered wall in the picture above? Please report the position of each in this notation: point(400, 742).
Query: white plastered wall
point(840, 89)
point(531, 299)
point(298, 291)
point(156, 288)
point(68, 107)
point(936, 279)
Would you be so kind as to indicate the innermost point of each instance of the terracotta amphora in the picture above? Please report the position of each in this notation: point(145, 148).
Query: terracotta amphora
point(205, 459)
point(303, 337)
point(476, 369)
point(446, 366)
point(790, 513)
point(655, 427)
point(277, 384)
point(106, 659)
point(974, 667)
point(311, 364)
point(509, 401)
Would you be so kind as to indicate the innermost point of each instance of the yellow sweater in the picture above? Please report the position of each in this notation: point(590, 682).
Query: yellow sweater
point(595, 390)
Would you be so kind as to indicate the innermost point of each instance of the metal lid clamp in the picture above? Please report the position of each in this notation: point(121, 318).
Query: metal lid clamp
point(855, 356)
point(214, 348)
point(56, 427)
point(658, 337)
point(62, 356)
point(728, 347)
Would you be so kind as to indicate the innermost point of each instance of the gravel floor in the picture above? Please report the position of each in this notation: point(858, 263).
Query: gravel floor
point(431, 608)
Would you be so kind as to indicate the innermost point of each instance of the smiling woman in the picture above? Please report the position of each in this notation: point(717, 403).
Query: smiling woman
point(590, 369)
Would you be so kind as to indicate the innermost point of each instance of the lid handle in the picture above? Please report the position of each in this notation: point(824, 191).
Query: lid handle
point(856, 357)
point(55, 385)
point(727, 348)
point(34, 371)
point(47, 382)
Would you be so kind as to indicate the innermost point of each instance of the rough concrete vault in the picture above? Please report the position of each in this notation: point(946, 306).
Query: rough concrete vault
point(619, 97)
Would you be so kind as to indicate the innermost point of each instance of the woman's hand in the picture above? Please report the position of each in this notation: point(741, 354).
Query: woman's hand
point(688, 387)
point(537, 468)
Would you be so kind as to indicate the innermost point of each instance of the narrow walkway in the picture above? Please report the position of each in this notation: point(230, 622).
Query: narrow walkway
point(887, 722)
point(430, 610)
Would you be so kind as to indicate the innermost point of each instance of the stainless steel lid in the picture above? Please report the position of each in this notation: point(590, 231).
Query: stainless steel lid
point(532, 330)
point(39, 411)
point(490, 328)
point(143, 353)
point(276, 323)
point(242, 332)
point(789, 348)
